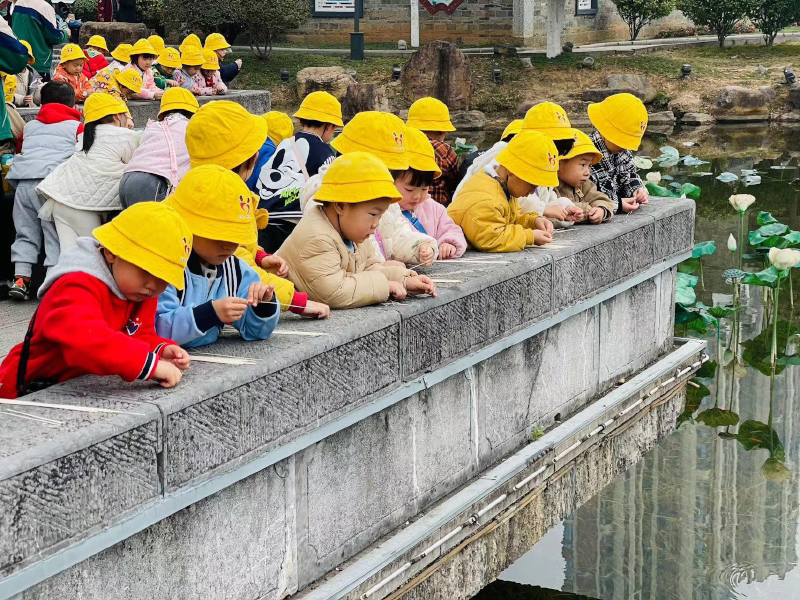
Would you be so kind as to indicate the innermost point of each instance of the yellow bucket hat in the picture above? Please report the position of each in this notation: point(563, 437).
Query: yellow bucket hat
point(357, 177)
point(223, 133)
point(152, 236)
point(98, 41)
point(216, 41)
point(584, 145)
point(191, 57)
point(550, 119)
point(279, 126)
point(170, 58)
point(190, 40)
point(130, 79)
point(513, 128)
point(379, 133)
point(100, 105)
point(31, 57)
point(533, 157)
point(143, 47)
point(71, 52)
point(9, 87)
point(621, 119)
point(419, 152)
point(210, 61)
point(122, 53)
point(429, 114)
point(322, 107)
point(216, 204)
point(157, 42)
point(176, 98)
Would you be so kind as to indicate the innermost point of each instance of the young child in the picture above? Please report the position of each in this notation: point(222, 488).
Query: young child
point(299, 157)
point(83, 192)
point(217, 43)
point(190, 40)
point(98, 307)
point(487, 208)
point(432, 117)
point(70, 69)
point(121, 56)
point(143, 55)
point(208, 80)
point(620, 122)
point(329, 254)
point(122, 85)
point(164, 69)
point(95, 52)
point(48, 141)
point(219, 287)
point(574, 172)
point(223, 133)
point(29, 82)
point(191, 61)
point(157, 42)
point(279, 127)
point(161, 160)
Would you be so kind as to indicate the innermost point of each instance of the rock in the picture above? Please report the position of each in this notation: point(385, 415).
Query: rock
point(468, 120)
point(697, 119)
point(526, 63)
point(441, 70)
point(737, 104)
point(600, 94)
point(685, 103)
point(661, 118)
point(762, 70)
point(114, 32)
point(568, 47)
point(506, 49)
point(637, 82)
point(792, 116)
point(402, 45)
point(334, 80)
point(588, 63)
point(525, 106)
point(364, 96)
point(794, 95)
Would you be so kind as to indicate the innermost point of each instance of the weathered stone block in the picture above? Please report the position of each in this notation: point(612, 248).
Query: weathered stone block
point(640, 83)
point(737, 104)
point(334, 80)
point(441, 70)
point(674, 232)
point(696, 119)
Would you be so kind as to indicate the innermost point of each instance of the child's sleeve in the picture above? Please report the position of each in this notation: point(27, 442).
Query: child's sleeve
point(160, 80)
point(593, 198)
point(447, 232)
point(257, 322)
point(219, 85)
point(199, 86)
point(228, 72)
point(486, 229)
point(128, 147)
point(184, 323)
point(401, 239)
point(628, 177)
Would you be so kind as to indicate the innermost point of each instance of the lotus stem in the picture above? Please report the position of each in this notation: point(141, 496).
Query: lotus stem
point(741, 239)
point(775, 324)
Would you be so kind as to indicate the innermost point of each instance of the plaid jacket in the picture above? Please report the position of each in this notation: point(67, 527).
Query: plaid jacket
point(616, 175)
point(443, 187)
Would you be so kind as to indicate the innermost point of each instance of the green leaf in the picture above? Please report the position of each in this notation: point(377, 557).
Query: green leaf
point(775, 471)
point(721, 312)
point(660, 192)
point(765, 218)
point(708, 370)
point(772, 229)
point(717, 417)
point(766, 278)
point(755, 435)
point(684, 290)
point(758, 350)
point(690, 190)
point(793, 237)
point(642, 163)
point(689, 266)
point(704, 249)
point(789, 360)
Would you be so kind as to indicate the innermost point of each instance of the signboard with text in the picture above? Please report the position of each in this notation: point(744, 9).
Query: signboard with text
point(333, 8)
point(585, 7)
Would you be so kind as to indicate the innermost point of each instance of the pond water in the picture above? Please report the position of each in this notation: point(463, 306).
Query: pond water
point(713, 511)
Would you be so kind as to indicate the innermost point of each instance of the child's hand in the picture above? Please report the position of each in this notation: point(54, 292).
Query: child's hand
point(177, 356)
point(318, 310)
point(275, 265)
point(420, 284)
point(394, 263)
point(259, 292)
point(426, 255)
point(230, 309)
point(642, 196)
point(446, 251)
point(28, 100)
point(158, 94)
point(544, 225)
point(238, 61)
point(396, 290)
point(629, 205)
point(167, 374)
point(556, 212)
point(574, 214)
point(540, 238)
point(172, 82)
point(596, 215)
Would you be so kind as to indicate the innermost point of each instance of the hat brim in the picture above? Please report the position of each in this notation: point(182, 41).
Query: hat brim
point(526, 172)
point(394, 161)
point(250, 144)
point(120, 245)
point(557, 133)
point(215, 47)
point(610, 132)
point(422, 162)
point(310, 114)
point(243, 234)
point(353, 193)
point(430, 125)
point(178, 106)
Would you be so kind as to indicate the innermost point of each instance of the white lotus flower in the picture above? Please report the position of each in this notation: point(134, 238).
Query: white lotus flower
point(741, 202)
point(653, 177)
point(784, 259)
point(732, 243)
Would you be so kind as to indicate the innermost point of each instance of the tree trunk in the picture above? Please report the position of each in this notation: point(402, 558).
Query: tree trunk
point(721, 37)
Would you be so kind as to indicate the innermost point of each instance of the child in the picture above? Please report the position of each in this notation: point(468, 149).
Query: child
point(279, 127)
point(29, 82)
point(161, 160)
point(217, 43)
point(432, 117)
point(192, 41)
point(70, 69)
point(163, 70)
point(329, 254)
point(620, 122)
point(157, 42)
point(574, 171)
point(49, 140)
point(208, 80)
point(220, 288)
point(95, 52)
point(191, 61)
point(121, 57)
point(299, 157)
point(98, 307)
point(487, 208)
point(83, 192)
point(223, 133)
point(122, 85)
point(142, 57)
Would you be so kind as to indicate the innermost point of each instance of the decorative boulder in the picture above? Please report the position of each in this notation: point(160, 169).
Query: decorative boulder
point(737, 104)
point(697, 119)
point(794, 95)
point(661, 119)
point(114, 32)
point(361, 97)
point(468, 120)
point(334, 80)
point(600, 94)
point(685, 103)
point(438, 69)
point(640, 83)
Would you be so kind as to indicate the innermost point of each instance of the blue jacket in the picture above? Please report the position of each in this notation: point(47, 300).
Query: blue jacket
point(228, 72)
point(188, 317)
point(266, 152)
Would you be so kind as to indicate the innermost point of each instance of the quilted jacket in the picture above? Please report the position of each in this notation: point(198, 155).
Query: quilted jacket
point(400, 240)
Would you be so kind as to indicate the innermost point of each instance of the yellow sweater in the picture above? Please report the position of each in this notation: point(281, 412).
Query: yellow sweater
point(492, 222)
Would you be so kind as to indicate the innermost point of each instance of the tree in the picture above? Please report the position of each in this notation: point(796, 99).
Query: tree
point(638, 13)
point(770, 16)
point(719, 15)
point(264, 20)
point(206, 16)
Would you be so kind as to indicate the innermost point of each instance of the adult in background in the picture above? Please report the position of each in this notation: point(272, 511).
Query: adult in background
point(35, 22)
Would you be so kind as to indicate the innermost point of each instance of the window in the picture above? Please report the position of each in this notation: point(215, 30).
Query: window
point(585, 7)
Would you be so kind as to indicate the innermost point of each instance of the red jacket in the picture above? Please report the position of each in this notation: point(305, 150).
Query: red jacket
point(95, 62)
point(82, 328)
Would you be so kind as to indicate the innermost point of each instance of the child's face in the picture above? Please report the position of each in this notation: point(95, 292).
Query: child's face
point(168, 70)
point(74, 67)
point(213, 252)
point(413, 196)
point(96, 49)
point(207, 73)
point(519, 188)
point(612, 147)
point(575, 171)
point(327, 135)
point(191, 71)
point(360, 220)
point(136, 284)
point(145, 61)
point(126, 91)
point(221, 53)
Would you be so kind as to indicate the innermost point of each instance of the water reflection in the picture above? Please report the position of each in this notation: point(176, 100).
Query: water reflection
point(712, 512)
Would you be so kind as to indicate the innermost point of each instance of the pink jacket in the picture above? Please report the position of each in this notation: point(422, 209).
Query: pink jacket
point(148, 84)
point(154, 156)
point(438, 224)
point(203, 89)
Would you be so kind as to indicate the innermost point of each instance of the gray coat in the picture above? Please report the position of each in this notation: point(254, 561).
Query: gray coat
point(44, 147)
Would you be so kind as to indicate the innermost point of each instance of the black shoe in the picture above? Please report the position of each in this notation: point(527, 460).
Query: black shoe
point(21, 290)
